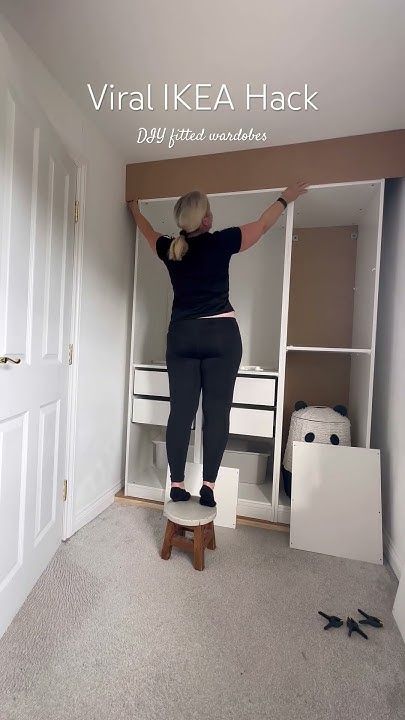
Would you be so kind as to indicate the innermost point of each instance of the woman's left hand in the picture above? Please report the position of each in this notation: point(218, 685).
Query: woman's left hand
point(294, 191)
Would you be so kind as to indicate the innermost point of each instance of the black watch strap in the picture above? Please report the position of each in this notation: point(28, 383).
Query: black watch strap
point(281, 199)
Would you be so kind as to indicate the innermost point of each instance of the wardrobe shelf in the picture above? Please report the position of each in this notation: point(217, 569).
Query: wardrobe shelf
point(255, 500)
point(148, 484)
point(305, 348)
point(257, 493)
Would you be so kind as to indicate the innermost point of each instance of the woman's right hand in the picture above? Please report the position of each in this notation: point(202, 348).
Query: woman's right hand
point(133, 204)
point(293, 191)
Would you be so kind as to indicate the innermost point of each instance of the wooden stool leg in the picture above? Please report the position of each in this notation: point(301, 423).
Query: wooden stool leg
point(199, 547)
point(167, 542)
point(212, 544)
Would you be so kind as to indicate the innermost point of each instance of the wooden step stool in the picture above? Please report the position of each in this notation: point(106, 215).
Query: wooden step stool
point(192, 517)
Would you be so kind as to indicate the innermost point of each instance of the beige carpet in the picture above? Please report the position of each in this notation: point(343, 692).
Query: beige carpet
point(112, 632)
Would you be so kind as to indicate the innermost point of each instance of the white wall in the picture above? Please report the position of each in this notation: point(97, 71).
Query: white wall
point(388, 429)
point(106, 291)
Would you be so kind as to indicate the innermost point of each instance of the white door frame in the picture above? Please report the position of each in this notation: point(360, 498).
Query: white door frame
point(71, 433)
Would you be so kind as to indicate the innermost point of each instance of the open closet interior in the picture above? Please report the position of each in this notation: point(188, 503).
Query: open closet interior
point(305, 297)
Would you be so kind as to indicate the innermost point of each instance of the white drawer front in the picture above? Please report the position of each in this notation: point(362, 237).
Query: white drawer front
point(151, 382)
point(151, 412)
point(255, 391)
point(248, 421)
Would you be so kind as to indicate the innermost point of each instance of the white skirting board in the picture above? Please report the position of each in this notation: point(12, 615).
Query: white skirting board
point(399, 605)
point(336, 501)
point(226, 491)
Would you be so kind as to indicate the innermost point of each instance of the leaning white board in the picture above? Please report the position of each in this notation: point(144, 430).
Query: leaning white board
point(226, 491)
point(336, 501)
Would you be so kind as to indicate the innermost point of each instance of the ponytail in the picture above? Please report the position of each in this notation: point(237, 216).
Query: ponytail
point(189, 212)
point(178, 246)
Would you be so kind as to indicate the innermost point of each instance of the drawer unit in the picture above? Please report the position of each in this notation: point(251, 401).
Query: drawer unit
point(255, 391)
point(151, 382)
point(249, 421)
point(248, 390)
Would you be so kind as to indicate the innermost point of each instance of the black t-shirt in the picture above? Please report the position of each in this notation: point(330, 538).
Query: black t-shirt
point(200, 280)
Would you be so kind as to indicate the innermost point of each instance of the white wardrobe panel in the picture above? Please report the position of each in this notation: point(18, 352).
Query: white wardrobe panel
point(333, 206)
point(160, 215)
point(256, 286)
point(360, 396)
point(367, 260)
point(151, 303)
point(256, 276)
point(336, 501)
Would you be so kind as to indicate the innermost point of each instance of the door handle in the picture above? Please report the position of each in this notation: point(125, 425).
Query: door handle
point(5, 359)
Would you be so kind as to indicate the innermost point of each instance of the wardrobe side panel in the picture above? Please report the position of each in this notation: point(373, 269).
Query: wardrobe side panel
point(359, 409)
point(256, 288)
point(366, 261)
point(152, 292)
point(286, 274)
point(255, 276)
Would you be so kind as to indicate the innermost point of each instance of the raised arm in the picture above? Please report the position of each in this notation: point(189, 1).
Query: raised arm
point(143, 224)
point(252, 232)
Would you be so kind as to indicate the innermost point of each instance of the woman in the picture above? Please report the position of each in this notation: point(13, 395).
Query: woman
point(204, 346)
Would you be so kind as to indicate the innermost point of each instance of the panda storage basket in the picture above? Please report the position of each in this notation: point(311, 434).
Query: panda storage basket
point(314, 424)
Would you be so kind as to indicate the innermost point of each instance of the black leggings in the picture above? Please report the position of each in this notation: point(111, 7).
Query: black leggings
point(203, 354)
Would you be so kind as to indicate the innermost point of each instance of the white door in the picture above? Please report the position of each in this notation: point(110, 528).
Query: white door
point(37, 194)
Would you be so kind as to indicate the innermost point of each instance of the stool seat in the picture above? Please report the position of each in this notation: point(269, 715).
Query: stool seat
point(192, 518)
point(189, 513)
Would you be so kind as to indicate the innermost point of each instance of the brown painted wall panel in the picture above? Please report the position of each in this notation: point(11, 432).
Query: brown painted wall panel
point(323, 270)
point(360, 157)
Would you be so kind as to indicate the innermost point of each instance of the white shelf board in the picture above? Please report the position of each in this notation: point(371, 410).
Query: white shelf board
point(254, 501)
point(257, 493)
point(305, 348)
point(265, 371)
point(148, 484)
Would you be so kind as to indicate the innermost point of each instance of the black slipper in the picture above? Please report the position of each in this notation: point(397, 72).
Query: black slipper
point(179, 494)
point(207, 496)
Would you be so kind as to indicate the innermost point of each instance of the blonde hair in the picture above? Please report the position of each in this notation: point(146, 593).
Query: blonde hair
point(189, 212)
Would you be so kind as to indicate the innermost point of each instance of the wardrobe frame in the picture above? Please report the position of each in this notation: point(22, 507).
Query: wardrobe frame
point(279, 513)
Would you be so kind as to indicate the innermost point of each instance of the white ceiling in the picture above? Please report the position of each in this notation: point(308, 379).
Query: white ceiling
point(351, 52)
